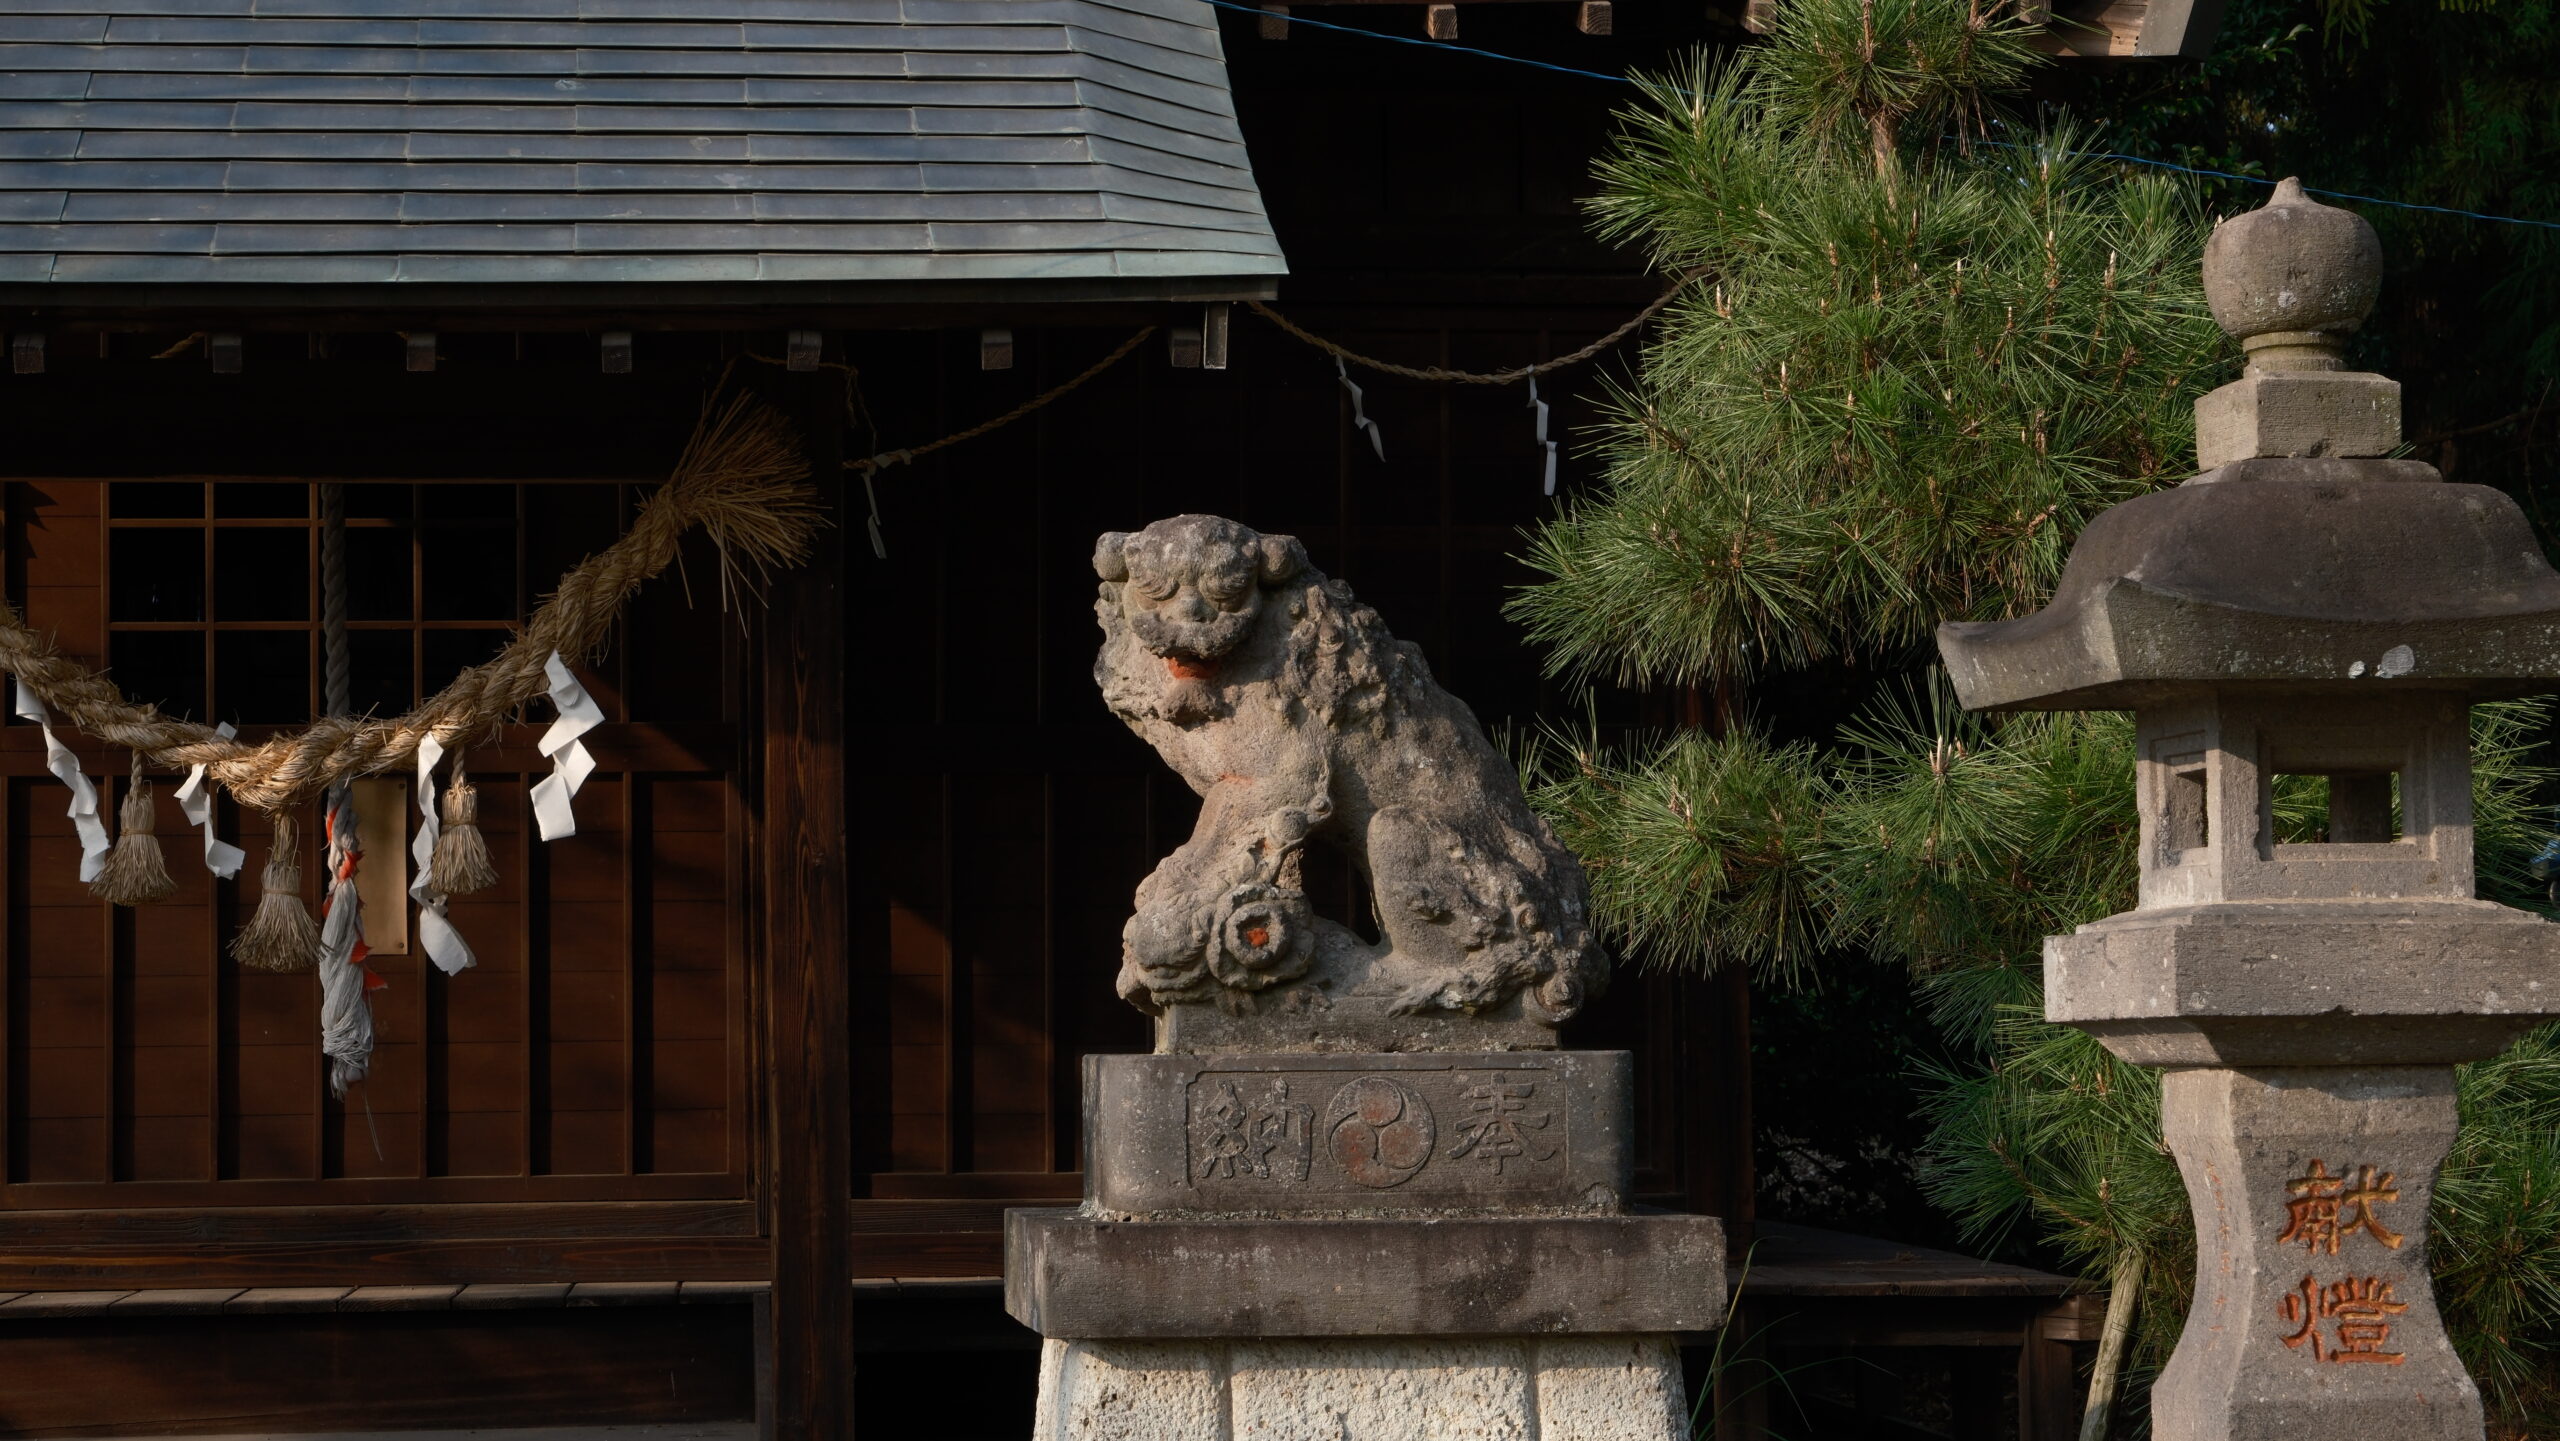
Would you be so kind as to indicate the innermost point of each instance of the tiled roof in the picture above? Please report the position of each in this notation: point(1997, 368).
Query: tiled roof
point(499, 142)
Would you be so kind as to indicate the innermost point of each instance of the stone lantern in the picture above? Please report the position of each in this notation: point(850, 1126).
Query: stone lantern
point(2302, 608)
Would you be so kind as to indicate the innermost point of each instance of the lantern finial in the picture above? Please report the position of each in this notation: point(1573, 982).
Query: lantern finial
point(2291, 281)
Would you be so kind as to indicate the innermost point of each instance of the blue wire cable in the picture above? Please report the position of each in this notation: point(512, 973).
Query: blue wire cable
point(2332, 194)
point(2088, 154)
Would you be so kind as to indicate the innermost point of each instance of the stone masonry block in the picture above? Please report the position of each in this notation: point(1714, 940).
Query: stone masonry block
point(1130, 1391)
point(2305, 413)
point(1414, 1390)
point(2315, 1311)
point(1071, 1275)
point(1609, 1388)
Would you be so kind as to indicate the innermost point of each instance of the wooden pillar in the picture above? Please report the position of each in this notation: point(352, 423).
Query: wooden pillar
point(809, 1145)
point(2048, 1385)
point(1739, 1393)
point(1714, 1049)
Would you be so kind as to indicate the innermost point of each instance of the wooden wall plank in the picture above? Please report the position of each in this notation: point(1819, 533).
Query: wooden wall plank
point(270, 1225)
point(582, 1367)
point(324, 1263)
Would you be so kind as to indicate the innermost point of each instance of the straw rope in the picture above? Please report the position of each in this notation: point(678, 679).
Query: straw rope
point(1475, 377)
point(855, 410)
point(873, 465)
point(741, 481)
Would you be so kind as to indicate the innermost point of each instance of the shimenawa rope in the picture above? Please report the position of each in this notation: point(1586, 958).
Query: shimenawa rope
point(741, 480)
point(1475, 377)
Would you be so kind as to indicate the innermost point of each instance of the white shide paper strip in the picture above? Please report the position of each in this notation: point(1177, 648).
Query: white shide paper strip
point(84, 795)
point(196, 799)
point(346, 1017)
point(1359, 414)
point(570, 762)
point(1541, 407)
point(444, 944)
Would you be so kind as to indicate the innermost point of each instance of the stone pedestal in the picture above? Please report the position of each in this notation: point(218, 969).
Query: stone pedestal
point(2314, 1312)
point(1392, 1247)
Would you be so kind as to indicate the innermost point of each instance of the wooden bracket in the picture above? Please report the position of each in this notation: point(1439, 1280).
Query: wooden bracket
point(1440, 19)
point(26, 352)
point(224, 351)
point(995, 348)
point(800, 349)
point(616, 352)
point(2074, 1318)
point(1213, 334)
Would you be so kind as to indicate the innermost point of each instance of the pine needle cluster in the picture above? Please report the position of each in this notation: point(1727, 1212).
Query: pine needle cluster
point(1920, 349)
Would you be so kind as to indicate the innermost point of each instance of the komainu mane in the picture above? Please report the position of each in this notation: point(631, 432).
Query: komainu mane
point(1286, 704)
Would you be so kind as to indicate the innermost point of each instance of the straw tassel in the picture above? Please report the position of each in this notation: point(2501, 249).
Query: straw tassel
point(135, 873)
point(280, 936)
point(462, 863)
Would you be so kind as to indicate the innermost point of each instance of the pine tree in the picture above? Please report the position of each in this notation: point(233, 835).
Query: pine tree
point(1923, 344)
point(1920, 350)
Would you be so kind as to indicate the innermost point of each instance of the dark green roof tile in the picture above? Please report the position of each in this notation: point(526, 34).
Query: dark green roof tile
point(489, 142)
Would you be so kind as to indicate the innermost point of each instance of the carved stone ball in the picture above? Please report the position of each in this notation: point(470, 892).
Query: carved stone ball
point(2295, 265)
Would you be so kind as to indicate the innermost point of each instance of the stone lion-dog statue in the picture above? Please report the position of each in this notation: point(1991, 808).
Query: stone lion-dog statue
point(1293, 713)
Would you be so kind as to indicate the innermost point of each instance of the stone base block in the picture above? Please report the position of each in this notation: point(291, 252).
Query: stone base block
point(2298, 413)
point(1580, 1388)
point(1299, 1134)
point(1072, 1276)
point(2267, 983)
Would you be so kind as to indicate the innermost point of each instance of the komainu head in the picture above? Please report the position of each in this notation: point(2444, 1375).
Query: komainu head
point(1192, 587)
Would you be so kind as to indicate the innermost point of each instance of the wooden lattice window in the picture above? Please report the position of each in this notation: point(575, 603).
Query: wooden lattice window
point(597, 1050)
point(213, 590)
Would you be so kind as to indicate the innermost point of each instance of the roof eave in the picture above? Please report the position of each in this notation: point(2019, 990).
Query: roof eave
point(569, 299)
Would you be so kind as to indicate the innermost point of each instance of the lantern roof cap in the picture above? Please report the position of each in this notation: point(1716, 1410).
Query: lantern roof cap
point(2298, 574)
